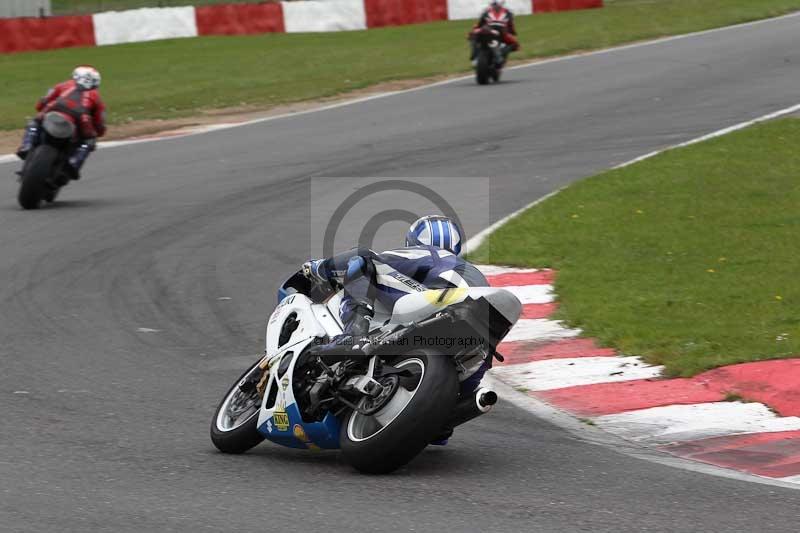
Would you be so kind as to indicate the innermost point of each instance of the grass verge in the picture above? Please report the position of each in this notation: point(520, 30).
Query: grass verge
point(168, 79)
point(689, 258)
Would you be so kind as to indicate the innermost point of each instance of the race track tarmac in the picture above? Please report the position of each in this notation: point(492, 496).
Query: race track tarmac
point(132, 304)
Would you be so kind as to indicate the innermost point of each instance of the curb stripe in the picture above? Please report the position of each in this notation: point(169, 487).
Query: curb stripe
point(672, 423)
point(770, 382)
point(539, 329)
point(533, 277)
point(532, 294)
point(600, 399)
point(531, 350)
point(538, 310)
point(569, 372)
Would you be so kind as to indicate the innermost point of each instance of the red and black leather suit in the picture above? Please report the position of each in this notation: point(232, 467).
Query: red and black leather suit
point(503, 19)
point(83, 107)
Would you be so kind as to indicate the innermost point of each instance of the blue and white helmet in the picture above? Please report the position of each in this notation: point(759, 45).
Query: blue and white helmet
point(436, 230)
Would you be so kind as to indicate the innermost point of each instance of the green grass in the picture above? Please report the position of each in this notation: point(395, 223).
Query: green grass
point(689, 258)
point(176, 78)
point(71, 7)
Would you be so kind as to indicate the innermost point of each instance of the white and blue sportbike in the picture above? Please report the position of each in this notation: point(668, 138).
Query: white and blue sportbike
point(383, 409)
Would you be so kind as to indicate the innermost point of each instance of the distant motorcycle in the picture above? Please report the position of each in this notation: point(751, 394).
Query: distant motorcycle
point(490, 59)
point(381, 411)
point(44, 171)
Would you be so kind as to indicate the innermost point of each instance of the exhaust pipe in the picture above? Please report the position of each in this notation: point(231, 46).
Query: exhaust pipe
point(473, 406)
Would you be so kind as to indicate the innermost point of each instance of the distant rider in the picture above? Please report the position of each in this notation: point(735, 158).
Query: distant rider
point(500, 18)
point(430, 260)
point(78, 100)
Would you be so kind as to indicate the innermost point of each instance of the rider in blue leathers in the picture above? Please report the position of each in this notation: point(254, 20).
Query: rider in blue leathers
point(429, 260)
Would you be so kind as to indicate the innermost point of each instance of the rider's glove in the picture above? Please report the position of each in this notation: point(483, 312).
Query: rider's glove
point(312, 271)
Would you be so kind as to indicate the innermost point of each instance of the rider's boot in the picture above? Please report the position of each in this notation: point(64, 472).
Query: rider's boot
point(473, 53)
point(28, 139)
point(77, 160)
point(352, 342)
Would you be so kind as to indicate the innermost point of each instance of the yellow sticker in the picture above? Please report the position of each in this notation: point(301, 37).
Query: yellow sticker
point(443, 297)
point(280, 417)
point(300, 433)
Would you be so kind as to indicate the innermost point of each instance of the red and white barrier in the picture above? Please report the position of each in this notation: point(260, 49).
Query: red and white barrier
point(24, 34)
point(470, 9)
point(149, 24)
point(316, 16)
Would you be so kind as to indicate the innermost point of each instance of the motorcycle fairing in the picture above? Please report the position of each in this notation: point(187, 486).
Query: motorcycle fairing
point(309, 327)
point(281, 422)
point(420, 305)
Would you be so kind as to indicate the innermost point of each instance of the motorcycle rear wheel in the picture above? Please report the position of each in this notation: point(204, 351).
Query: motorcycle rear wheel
point(33, 187)
point(393, 436)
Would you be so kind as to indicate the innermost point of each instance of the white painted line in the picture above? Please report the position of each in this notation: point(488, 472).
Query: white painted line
point(539, 329)
point(475, 242)
point(532, 294)
point(677, 423)
point(560, 373)
point(533, 64)
point(714, 134)
point(791, 479)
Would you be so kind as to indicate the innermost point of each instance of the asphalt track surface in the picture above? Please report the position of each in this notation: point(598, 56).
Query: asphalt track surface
point(105, 425)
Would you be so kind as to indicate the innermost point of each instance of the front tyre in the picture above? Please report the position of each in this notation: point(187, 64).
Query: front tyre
point(416, 414)
point(234, 426)
point(35, 174)
point(484, 66)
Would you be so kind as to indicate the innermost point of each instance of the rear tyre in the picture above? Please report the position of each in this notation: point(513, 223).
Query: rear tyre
point(35, 175)
point(483, 66)
point(234, 426)
point(414, 416)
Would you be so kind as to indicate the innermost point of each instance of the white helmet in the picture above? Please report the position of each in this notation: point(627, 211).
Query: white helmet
point(86, 77)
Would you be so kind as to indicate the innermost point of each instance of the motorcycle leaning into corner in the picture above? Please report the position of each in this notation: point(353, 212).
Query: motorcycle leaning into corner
point(46, 166)
point(381, 410)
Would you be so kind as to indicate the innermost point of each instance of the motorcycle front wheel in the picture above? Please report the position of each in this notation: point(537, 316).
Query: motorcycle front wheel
point(234, 428)
point(416, 413)
point(484, 66)
point(33, 187)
